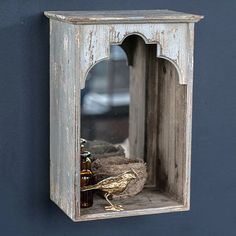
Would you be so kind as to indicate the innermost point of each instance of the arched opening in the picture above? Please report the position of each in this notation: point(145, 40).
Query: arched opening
point(141, 106)
point(105, 100)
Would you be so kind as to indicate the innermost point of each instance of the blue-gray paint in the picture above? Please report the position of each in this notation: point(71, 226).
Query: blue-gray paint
point(25, 208)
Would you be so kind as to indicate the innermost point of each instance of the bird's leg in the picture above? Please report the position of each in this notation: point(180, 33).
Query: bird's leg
point(106, 196)
point(112, 207)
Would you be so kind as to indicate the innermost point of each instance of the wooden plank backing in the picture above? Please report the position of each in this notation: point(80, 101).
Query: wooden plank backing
point(171, 130)
point(137, 98)
point(143, 103)
point(151, 114)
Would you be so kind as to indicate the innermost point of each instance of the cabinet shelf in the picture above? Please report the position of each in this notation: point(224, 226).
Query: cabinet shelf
point(149, 201)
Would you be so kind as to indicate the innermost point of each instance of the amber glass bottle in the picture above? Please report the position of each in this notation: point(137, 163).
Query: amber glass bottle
point(86, 178)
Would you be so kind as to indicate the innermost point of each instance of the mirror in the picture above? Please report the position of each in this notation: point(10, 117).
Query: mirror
point(105, 100)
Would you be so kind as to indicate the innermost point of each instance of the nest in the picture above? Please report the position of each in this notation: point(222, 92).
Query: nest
point(115, 165)
point(101, 149)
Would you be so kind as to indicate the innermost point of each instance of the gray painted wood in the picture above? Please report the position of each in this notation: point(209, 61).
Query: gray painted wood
point(149, 201)
point(61, 119)
point(137, 98)
point(134, 16)
point(171, 40)
point(161, 100)
point(171, 130)
point(151, 116)
point(64, 110)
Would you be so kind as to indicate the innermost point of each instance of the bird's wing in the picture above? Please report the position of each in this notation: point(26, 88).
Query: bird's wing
point(89, 187)
point(114, 187)
point(110, 180)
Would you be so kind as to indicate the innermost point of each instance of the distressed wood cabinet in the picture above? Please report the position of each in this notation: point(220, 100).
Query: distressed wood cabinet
point(159, 46)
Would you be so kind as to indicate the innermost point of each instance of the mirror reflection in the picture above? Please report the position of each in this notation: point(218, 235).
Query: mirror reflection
point(105, 100)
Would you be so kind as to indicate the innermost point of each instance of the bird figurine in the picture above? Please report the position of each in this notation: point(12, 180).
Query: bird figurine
point(113, 186)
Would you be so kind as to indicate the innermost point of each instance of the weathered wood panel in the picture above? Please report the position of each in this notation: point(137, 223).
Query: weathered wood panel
point(125, 16)
point(187, 164)
point(137, 98)
point(171, 40)
point(143, 102)
point(149, 201)
point(171, 130)
point(151, 115)
point(62, 117)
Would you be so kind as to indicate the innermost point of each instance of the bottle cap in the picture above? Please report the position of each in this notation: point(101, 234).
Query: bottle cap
point(82, 144)
point(83, 141)
point(85, 154)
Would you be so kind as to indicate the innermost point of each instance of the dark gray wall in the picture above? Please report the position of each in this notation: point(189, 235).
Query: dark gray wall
point(25, 208)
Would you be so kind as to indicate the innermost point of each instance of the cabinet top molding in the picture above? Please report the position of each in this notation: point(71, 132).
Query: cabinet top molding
point(126, 16)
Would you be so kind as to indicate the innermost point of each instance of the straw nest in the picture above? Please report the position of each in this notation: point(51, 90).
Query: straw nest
point(115, 165)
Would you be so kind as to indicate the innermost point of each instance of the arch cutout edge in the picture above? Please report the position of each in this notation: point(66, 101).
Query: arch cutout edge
point(121, 43)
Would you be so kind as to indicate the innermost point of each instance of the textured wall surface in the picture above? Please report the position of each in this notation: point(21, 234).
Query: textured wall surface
point(25, 208)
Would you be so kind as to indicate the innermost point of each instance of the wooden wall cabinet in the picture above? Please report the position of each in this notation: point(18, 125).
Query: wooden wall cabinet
point(159, 46)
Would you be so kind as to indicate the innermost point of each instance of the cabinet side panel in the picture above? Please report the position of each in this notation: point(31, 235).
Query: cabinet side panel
point(62, 117)
point(172, 103)
point(187, 172)
point(175, 123)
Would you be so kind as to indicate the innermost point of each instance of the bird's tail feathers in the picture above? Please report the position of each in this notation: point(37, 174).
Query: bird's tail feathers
point(89, 187)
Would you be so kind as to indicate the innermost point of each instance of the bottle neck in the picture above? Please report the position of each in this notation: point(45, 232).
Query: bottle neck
point(85, 161)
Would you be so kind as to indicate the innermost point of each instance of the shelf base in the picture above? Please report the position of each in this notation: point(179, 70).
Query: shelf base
point(149, 201)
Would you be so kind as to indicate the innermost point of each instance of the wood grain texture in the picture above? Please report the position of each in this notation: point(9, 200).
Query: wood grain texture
point(137, 98)
point(159, 46)
point(171, 130)
point(143, 103)
point(151, 114)
point(170, 38)
point(189, 97)
point(147, 202)
point(130, 16)
point(62, 117)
